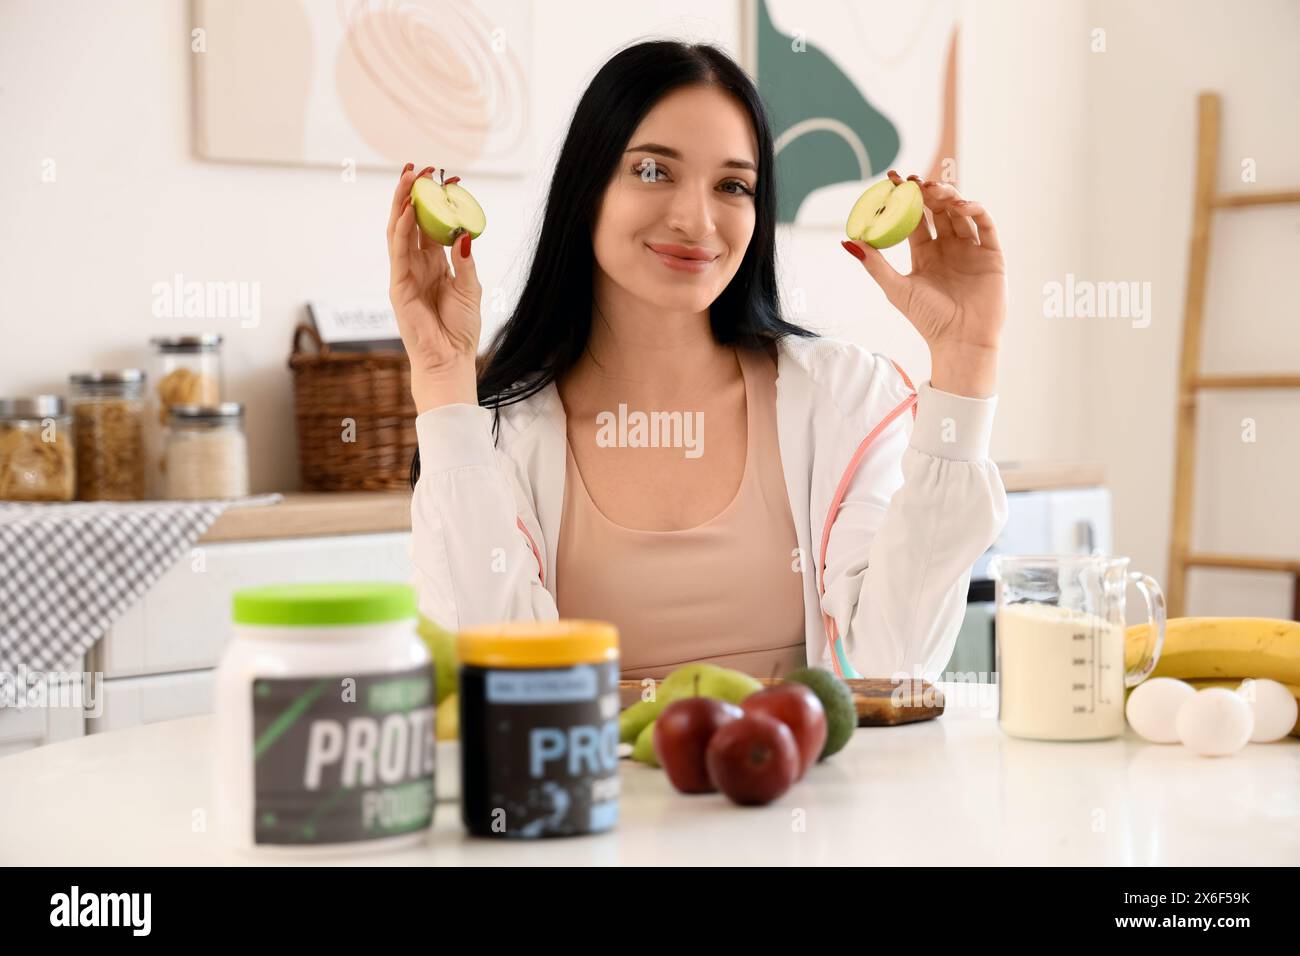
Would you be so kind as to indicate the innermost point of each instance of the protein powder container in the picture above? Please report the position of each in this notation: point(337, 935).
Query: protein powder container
point(325, 709)
point(539, 707)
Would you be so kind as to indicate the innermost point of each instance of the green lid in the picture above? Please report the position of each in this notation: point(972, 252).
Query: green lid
point(324, 605)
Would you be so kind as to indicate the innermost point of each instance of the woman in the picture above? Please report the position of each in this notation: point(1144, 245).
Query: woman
point(540, 491)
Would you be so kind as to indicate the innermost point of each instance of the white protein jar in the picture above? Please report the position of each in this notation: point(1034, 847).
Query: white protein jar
point(324, 737)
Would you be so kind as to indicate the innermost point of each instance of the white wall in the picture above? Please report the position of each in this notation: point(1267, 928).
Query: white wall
point(132, 206)
point(1021, 150)
point(1141, 156)
point(1084, 159)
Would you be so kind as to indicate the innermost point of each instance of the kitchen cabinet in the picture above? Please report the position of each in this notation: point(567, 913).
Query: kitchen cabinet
point(157, 661)
point(22, 729)
point(183, 622)
point(134, 701)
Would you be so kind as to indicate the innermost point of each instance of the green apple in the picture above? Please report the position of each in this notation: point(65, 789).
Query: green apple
point(644, 750)
point(886, 214)
point(713, 681)
point(633, 720)
point(690, 680)
point(446, 211)
point(442, 648)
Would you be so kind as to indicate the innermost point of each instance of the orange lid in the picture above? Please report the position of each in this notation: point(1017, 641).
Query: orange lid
point(538, 644)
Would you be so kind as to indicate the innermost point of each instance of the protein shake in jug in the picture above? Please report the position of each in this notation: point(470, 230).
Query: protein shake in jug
point(1060, 673)
point(1060, 643)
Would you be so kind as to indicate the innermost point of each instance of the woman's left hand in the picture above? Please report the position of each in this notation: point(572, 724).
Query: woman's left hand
point(955, 295)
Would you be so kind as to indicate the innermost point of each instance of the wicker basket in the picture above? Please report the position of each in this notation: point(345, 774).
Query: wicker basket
point(373, 390)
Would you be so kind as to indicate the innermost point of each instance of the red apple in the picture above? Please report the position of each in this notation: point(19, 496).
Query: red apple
point(682, 734)
point(753, 759)
point(796, 706)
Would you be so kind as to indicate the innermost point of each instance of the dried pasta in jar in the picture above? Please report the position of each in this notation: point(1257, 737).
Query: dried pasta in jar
point(108, 423)
point(37, 462)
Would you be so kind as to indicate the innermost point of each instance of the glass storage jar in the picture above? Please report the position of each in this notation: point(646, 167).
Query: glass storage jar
point(206, 454)
point(37, 461)
point(108, 433)
point(186, 371)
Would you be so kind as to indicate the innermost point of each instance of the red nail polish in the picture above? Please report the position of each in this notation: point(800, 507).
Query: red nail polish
point(914, 178)
point(465, 241)
point(454, 179)
point(408, 167)
point(426, 171)
point(854, 251)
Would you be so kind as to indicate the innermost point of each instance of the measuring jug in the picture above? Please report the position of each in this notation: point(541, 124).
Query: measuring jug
point(1060, 644)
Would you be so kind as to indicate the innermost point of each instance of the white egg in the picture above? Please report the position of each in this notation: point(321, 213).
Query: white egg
point(1152, 708)
point(1215, 722)
point(1274, 708)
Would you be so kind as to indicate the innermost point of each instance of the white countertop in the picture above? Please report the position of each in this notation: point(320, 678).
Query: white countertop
point(955, 790)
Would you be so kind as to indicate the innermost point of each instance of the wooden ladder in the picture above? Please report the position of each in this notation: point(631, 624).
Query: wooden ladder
point(1207, 199)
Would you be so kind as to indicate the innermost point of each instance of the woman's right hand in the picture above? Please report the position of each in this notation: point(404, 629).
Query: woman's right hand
point(437, 312)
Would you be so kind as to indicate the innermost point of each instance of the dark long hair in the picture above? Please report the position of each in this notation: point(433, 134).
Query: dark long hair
point(549, 328)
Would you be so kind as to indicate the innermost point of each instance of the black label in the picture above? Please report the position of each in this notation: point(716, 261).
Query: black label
point(539, 750)
point(342, 759)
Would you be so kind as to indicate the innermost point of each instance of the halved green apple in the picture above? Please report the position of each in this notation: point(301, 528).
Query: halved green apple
point(886, 214)
point(446, 211)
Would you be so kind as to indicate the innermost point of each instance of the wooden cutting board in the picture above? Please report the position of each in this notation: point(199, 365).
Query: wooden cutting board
point(880, 702)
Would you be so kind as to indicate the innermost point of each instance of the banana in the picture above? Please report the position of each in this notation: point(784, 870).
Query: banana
point(1222, 648)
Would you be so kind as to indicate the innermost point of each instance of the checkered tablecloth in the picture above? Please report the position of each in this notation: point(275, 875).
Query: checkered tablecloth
point(68, 571)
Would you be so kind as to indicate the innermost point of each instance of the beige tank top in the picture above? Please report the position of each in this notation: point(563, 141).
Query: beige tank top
point(727, 591)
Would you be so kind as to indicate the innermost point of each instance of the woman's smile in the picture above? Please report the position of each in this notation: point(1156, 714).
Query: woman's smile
point(683, 258)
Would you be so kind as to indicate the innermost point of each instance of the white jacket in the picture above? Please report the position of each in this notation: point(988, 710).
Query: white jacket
point(924, 503)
